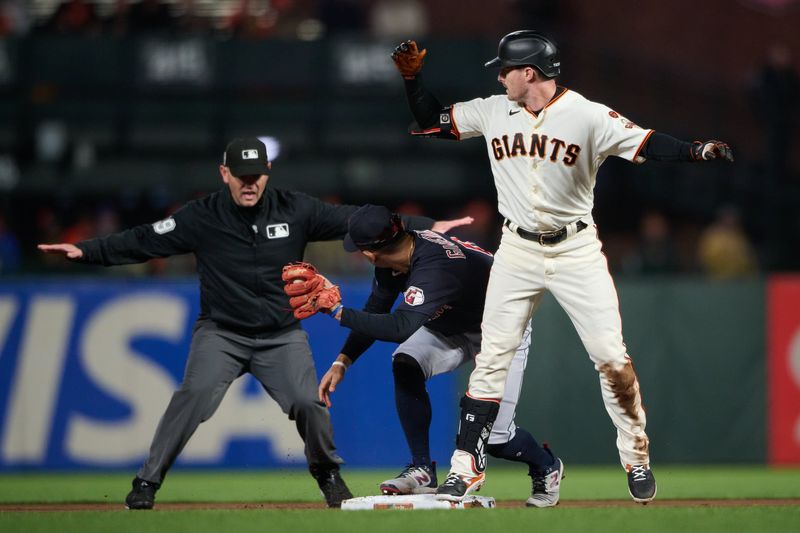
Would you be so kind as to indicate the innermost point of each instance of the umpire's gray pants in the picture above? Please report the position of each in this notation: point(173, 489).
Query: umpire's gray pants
point(280, 361)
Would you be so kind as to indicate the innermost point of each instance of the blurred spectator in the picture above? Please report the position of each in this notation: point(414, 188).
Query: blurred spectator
point(74, 16)
point(724, 250)
point(117, 23)
point(190, 21)
point(776, 96)
point(485, 228)
point(655, 251)
point(150, 16)
point(84, 228)
point(9, 249)
point(107, 221)
point(15, 18)
point(411, 208)
point(399, 19)
point(296, 19)
point(48, 229)
point(253, 19)
point(47, 225)
point(544, 15)
point(342, 16)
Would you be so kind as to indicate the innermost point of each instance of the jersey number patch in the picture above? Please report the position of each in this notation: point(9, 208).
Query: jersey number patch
point(414, 296)
point(164, 226)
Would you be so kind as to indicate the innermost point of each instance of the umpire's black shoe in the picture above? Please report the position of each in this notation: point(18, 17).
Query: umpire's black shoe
point(641, 483)
point(143, 494)
point(331, 484)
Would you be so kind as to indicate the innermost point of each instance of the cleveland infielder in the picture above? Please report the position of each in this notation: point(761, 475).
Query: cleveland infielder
point(545, 144)
point(442, 281)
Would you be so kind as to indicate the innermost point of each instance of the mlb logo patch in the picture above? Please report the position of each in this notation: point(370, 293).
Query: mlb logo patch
point(278, 231)
point(414, 296)
point(249, 154)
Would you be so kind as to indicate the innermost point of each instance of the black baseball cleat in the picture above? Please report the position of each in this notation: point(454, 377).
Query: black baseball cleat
point(455, 488)
point(641, 483)
point(331, 485)
point(142, 496)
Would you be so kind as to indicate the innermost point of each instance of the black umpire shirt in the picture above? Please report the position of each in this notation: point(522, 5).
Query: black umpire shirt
point(240, 251)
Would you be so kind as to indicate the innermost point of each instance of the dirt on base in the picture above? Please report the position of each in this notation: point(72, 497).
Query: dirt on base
point(77, 507)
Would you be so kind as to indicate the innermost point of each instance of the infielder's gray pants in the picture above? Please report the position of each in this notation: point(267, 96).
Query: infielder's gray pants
point(281, 362)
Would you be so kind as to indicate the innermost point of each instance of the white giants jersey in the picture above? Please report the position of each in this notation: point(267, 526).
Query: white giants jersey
point(545, 164)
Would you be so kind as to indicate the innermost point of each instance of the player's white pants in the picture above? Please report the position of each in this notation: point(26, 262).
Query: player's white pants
point(437, 354)
point(576, 272)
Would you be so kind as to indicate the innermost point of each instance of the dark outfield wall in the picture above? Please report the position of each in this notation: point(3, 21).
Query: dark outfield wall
point(698, 348)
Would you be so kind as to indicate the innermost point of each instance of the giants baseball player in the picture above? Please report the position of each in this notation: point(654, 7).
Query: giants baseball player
point(437, 323)
point(545, 144)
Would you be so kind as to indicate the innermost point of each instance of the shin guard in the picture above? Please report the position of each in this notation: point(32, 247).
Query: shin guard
point(474, 427)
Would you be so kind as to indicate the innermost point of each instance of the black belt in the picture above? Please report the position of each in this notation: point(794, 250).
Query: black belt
point(548, 238)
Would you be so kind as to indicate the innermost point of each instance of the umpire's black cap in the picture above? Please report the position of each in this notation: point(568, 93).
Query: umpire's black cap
point(246, 157)
point(372, 227)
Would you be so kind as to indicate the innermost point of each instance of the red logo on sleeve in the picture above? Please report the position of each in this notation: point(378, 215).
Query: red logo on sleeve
point(414, 296)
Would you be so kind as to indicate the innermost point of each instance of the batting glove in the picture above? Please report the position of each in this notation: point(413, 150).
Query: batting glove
point(408, 59)
point(708, 150)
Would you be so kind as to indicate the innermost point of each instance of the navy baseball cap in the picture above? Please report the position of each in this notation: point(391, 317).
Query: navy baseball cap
point(246, 157)
point(372, 227)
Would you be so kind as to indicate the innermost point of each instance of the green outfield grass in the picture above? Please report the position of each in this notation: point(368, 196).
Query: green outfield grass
point(505, 484)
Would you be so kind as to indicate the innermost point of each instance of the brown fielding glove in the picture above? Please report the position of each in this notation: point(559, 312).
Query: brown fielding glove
point(310, 292)
point(408, 59)
point(707, 150)
point(301, 278)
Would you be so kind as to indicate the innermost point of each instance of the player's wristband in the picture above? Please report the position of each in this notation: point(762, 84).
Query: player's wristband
point(335, 309)
point(339, 363)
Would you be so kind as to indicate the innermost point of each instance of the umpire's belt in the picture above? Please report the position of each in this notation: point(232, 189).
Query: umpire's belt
point(548, 238)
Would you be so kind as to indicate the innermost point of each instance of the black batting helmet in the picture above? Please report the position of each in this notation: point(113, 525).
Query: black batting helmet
point(528, 47)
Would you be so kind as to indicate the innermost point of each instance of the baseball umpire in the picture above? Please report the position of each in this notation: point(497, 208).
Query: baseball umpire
point(437, 323)
point(545, 144)
point(241, 236)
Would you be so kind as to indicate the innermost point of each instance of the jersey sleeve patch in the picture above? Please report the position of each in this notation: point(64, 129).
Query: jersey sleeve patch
point(164, 226)
point(414, 296)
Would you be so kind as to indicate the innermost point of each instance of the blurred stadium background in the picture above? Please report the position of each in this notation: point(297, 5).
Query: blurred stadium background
point(114, 112)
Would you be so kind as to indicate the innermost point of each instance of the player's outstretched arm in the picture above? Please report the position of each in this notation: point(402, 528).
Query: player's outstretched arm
point(443, 226)
point(663, 147)
point(332, 378)
point(69, 250)
point(408, 59)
